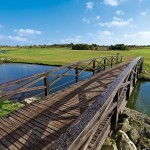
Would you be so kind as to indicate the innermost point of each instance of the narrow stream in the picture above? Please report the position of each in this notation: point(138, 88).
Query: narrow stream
point(140, 98)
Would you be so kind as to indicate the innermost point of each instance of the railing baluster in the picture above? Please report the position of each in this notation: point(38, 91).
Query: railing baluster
point(115, 116)
point(46, 83)
point(120, 58)
point(104, 63)
point(128, 92)
point(117, 57)
point(77, 73)
point(111, 61)
point(94, 66)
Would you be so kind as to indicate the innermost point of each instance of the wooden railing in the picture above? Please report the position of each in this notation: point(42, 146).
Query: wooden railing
point(102, 115)
point(26, 85)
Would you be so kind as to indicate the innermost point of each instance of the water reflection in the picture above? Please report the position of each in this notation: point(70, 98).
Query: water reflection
point(140, 98)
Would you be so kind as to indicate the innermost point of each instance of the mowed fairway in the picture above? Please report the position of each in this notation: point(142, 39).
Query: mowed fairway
point(62, 56)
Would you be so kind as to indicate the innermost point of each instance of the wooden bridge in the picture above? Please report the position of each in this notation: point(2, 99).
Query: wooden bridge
point(79, 117)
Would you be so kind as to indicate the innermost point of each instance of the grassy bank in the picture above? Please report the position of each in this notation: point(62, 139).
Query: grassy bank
point(62, 56)
point(7, 107)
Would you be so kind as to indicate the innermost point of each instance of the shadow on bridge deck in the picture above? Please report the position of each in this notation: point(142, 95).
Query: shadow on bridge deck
point(38, 125)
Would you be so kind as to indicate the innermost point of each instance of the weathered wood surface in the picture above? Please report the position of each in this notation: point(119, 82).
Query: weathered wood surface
point(78, 135)
point(57, 122)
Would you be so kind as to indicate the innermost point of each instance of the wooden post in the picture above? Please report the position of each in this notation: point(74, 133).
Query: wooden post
point(141, 67)
point(115, 116)
point(121, 59)
point(117, 57)
point(77, 73)
point(128, 88)
point(134, 80)
point(94, 66)
point(111, 62)
point(46, 83)
point(104, 63)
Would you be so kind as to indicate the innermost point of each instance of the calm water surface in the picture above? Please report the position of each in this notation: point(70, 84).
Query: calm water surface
point(140, 98)
point(13, 71)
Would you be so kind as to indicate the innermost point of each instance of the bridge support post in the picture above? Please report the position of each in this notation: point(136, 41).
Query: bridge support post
point(141, 67)
point(128, 92)
point(111, 62)
point(46, 85)
point(77, 73)
point(115, 116)
point(94, 67)
point(117, 58)
point(104, 63)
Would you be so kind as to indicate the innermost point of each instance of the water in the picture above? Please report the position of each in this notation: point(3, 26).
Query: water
point(3, 51)
point(140, 98)
point(13, 71)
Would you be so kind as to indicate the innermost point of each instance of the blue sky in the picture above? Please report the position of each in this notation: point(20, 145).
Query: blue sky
point(104, 22)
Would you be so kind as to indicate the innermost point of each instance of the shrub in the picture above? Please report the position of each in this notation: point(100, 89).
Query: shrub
point(118, 47)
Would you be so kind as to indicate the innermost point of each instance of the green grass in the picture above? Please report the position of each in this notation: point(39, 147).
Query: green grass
point(7, 107)
point(62, 56)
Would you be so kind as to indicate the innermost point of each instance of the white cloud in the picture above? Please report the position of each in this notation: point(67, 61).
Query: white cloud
point(119, 12)
point(17, 39)
point(101, 37)
point(143, 13)
point(142, 37)
point(2, 37)
point(111, 2)
point(98, 17)
point(13, 38)
point(105, 33)
point(76, 39)
point(27, 32)
point(85, 20)
point(117, 19)
point(142, 34)
point(117, 22)
point(1, 26)
point(89, 5)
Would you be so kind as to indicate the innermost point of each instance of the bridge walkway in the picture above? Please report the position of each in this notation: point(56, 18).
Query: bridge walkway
point(38, 125)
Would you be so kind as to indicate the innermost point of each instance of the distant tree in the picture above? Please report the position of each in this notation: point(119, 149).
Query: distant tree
point(95, 45)
point(118, 47)
point(82, 47)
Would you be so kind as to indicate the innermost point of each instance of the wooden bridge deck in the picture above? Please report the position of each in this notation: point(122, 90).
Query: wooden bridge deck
point(38, 125)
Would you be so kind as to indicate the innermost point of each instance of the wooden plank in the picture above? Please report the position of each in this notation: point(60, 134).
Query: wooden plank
point(11, 141)
point(22, 138)
point(23, 130)
point(50, 114)
point(86, 118)
point(53, 116)
point(37, 135)
point(35, 126)
point(3, 147)
point(46, 131)
point(49, 124)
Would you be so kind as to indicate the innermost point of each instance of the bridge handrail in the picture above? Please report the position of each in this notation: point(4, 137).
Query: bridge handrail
point(92, 64)
point(109, 104)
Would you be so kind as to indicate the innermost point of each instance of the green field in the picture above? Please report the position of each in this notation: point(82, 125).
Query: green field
point(62, 56)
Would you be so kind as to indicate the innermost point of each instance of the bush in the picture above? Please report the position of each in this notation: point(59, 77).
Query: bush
point(118, 47)
point(82, 47)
